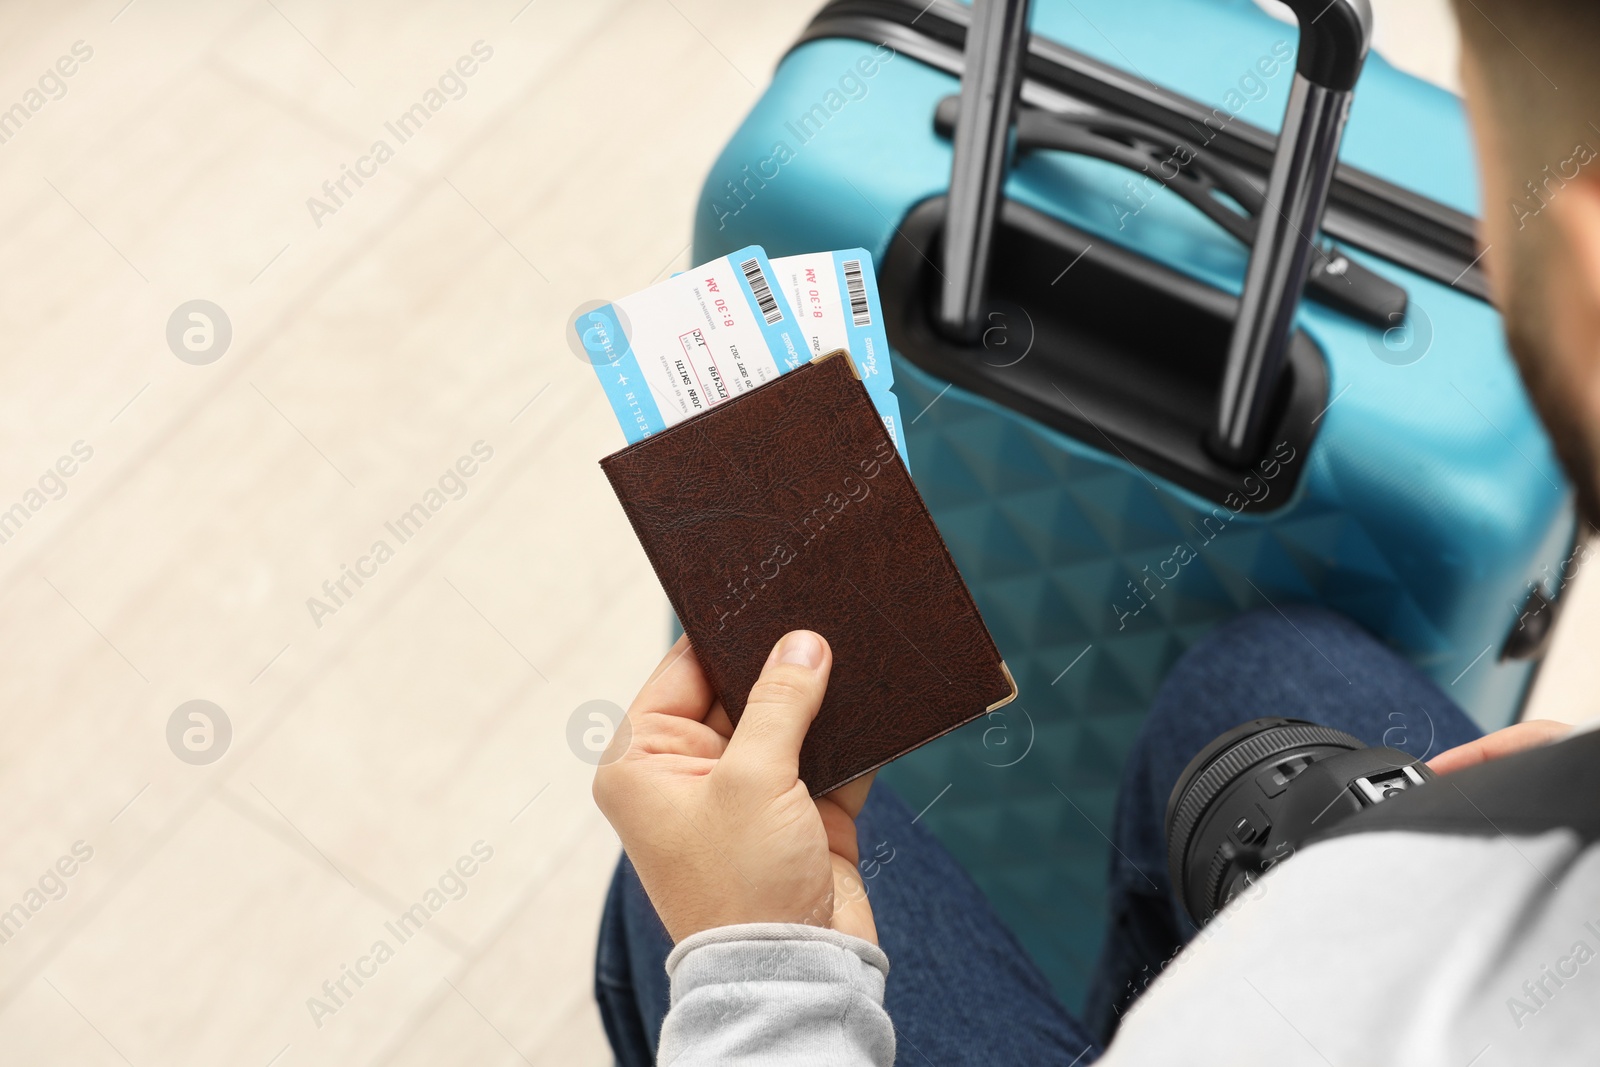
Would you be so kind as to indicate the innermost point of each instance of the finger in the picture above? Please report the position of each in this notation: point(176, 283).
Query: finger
point(1501, 743)
point(853, 794)
point(782, 704)
point(674, 654)
point(852, 908)
point(675, 735)
point(678, 686)
point(840, 828)
point(718, 720)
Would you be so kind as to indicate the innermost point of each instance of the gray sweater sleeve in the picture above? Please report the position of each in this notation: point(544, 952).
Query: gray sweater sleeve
point(1389, 946)
point(776, 993)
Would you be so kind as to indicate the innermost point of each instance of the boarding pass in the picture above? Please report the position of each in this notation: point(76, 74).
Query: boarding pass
point(715, 331)
point(683, 346)
point(835, 299)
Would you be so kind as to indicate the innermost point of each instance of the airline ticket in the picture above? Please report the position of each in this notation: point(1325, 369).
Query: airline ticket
point(835, 298)
point(682, 346)
point(715, 331)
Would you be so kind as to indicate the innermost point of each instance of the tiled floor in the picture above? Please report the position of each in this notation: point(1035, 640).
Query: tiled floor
point(411, 323)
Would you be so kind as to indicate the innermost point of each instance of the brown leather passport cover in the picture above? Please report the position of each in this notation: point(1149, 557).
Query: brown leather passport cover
point(788, 508)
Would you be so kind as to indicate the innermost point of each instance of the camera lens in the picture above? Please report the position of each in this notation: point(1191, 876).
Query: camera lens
point(1258, 792)
point(1233, 814)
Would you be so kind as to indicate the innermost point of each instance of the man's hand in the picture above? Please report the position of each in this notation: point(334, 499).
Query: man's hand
point(716, 820)
point(1507, 742)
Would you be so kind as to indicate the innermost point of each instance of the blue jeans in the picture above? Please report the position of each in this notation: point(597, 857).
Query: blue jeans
point(961, 990)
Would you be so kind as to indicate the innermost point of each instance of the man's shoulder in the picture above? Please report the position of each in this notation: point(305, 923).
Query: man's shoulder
point(1456, 919)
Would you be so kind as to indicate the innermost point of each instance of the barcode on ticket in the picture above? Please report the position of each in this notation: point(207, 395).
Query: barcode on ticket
point(757, 280)
point(857, 288)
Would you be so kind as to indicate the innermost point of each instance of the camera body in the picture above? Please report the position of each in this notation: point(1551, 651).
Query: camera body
point(1255, 794)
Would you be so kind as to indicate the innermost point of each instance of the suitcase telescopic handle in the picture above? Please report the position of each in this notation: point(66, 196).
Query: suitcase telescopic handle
point(1334, 38)
point(989, 84)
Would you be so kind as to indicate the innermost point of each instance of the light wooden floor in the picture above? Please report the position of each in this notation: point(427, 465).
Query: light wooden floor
point(371, 349)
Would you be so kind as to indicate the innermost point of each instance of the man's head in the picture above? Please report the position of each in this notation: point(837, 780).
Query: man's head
point(1531, 70)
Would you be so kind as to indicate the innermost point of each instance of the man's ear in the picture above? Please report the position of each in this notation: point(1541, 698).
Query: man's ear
point(1575, 214)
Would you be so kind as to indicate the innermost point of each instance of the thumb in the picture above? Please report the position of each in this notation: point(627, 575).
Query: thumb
point(783, 702)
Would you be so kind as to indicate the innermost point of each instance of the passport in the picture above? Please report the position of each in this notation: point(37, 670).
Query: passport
point(788, 507)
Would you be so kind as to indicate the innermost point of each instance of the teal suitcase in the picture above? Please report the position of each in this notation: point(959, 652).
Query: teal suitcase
point(1067, 446)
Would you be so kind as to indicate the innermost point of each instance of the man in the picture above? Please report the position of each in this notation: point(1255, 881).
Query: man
point(1457, 925)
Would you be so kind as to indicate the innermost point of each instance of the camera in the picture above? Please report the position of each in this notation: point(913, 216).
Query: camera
point(1258, 792)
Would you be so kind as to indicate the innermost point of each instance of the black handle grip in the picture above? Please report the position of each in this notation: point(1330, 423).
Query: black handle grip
point(1334, 38)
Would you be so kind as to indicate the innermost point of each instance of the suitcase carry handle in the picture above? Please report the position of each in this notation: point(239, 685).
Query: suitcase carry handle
point(1334, 40)
point(1336, 280)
